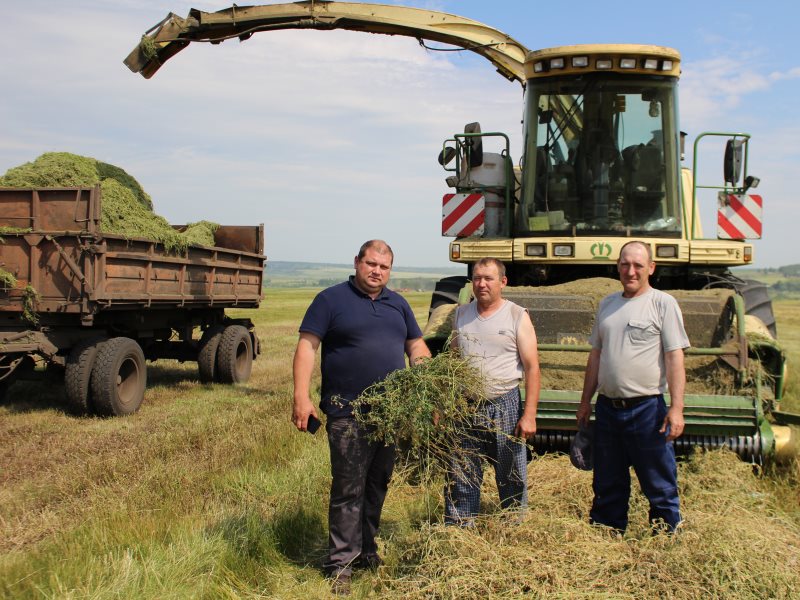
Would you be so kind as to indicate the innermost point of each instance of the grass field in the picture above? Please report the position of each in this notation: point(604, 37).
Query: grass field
point(209, 492)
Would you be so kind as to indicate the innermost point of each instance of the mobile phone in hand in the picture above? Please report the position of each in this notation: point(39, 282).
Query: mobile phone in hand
point(313, 424)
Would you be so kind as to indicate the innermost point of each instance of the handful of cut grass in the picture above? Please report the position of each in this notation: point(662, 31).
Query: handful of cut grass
point(423, 410)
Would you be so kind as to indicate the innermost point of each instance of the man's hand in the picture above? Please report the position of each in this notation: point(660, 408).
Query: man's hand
point(526, 427)
point(303, 407)
point(584, 414)
point(673, 420)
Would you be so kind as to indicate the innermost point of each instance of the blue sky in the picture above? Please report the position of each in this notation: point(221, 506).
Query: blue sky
point(330, 138)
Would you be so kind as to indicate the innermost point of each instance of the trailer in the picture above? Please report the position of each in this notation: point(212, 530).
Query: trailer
point(94, 307)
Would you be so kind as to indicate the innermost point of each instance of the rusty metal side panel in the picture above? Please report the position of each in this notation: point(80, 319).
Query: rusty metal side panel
point(50, 209)
point(140, 272)
point(36, 261)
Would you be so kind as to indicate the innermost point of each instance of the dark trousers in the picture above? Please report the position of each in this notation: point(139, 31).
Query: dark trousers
point(625, 437)
point(361, 471)
point(490, 436)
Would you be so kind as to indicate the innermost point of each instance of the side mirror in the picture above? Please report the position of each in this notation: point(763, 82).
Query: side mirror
point(447, 154)
point(474, 144)
point(733, 161)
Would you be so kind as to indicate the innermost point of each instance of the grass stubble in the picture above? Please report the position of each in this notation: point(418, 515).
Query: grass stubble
point(209, 492)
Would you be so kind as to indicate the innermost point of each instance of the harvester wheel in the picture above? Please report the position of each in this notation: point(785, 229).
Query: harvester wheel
point(119, 377)
point(757, 303)
point(207, 354)
point(446, 291)
point(234, 355)
point(78, 373)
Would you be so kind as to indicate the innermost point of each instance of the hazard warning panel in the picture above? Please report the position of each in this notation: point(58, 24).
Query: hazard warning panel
point(739, 216)
point(463, 215)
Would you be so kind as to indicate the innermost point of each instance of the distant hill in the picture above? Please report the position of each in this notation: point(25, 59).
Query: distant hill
point(304, 274)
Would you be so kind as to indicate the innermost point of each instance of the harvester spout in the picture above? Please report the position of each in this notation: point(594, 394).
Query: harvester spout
point(173, 33)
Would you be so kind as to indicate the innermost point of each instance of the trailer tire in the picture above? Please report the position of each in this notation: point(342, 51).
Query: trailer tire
point(119, 377)
point(78, 373)
point(235, 355)
point(447, 291)
point(207, 354)
point(758, 303)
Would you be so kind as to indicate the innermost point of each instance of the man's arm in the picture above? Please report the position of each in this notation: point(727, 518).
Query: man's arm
point(676, 381)
point(416, 350)
point(589, 387)
point(529, 355)
point(302, 368)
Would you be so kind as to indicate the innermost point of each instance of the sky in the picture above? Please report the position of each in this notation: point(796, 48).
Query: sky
point(331, 138)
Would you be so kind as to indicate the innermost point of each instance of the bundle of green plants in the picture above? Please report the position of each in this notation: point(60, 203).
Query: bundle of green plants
point(126, 208)
point(424, 410)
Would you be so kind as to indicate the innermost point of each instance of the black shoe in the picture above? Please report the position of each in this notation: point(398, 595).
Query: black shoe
point(370, 562)
point(340, 584)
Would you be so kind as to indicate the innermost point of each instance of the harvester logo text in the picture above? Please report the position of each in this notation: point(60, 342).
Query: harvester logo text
point(600, 250)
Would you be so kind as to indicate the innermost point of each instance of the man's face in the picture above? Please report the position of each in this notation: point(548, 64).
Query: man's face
point(487, 284)
point(634, 270)
point(372, 271)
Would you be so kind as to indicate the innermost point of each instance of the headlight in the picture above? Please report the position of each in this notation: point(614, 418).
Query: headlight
point(535, 250)
point(563, 250)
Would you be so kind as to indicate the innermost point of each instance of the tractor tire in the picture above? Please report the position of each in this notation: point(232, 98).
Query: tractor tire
point(446, 291)
point(234, 355)
point(207, 354)
point(78, 373)
point(758, 304)
point(119, 377)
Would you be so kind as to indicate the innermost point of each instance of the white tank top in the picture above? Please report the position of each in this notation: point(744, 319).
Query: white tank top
point(491, 345)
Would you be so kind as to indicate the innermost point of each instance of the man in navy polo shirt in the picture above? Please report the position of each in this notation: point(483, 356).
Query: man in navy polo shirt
point(366, 331)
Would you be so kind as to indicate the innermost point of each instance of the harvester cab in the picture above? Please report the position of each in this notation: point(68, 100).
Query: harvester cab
point(600, 165)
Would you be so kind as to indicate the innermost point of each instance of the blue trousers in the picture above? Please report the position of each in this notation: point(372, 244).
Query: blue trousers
point(361, 471)
point(488, 436)
point(629, 437)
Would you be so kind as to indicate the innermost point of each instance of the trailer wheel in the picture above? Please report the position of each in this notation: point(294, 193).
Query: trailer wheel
point(119, 377)
point(207, 354)
point(78, 373)
point(235, 355)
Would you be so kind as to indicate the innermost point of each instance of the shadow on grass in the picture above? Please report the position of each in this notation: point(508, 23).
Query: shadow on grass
point(296, 535)
point(35, 396)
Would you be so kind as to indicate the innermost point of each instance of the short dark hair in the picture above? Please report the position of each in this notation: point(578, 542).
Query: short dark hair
point(381, 246)
point(644, 245)
point(488, 261)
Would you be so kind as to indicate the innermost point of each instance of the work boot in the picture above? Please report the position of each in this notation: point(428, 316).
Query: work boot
point(370, 562)
point(340, 584)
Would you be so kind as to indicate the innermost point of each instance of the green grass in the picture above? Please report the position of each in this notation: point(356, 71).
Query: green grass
point(210, 492)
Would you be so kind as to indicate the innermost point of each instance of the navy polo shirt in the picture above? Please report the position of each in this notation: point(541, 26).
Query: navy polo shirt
point(363, 340)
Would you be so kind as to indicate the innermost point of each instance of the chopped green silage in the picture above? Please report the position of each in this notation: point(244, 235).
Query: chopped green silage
point(127, 209)
point(201, 233)
point(735, 543)
point(7, 280)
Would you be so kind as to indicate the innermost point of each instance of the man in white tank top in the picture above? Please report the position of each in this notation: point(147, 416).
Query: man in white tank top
point(499, 339)
point(637, 354)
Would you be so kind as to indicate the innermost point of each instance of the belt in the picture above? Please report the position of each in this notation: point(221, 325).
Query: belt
point(620, 403)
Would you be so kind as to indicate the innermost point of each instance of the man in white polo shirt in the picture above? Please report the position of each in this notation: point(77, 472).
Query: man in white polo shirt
point(637, 354)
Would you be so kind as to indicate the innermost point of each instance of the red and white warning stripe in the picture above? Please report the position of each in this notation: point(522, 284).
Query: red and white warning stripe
point(739, 216)
point(463, 214)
